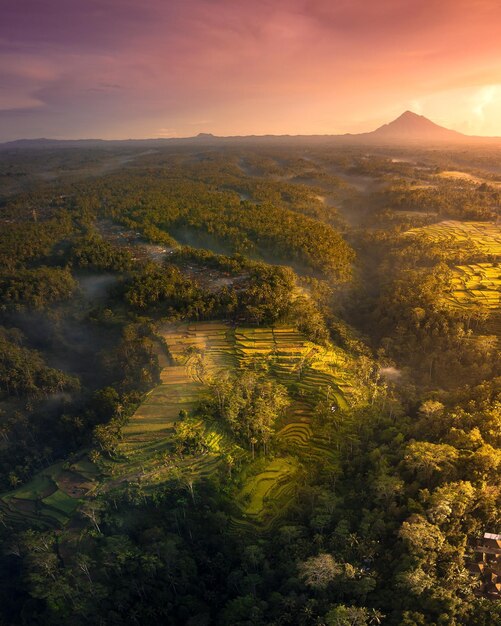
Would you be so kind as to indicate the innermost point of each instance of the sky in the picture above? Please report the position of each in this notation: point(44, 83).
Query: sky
point(117, 69)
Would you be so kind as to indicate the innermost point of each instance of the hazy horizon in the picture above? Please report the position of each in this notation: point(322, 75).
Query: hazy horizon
point(120, 70)
point(209, 134)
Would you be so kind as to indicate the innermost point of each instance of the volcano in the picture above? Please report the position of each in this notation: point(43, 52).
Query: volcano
point(410, 127)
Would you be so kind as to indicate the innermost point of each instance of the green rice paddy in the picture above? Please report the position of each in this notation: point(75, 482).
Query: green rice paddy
point(52, 497)
point(265, 494)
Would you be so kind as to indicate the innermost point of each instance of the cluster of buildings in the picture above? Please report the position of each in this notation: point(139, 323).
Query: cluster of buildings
point(487, 565)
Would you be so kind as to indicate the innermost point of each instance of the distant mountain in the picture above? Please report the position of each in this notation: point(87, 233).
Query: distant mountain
point(410, 127)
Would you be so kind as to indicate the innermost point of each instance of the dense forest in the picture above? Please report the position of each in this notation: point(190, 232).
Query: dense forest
point(321, 327)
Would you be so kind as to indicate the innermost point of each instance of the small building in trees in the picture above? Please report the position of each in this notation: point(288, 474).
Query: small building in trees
point(488, 565)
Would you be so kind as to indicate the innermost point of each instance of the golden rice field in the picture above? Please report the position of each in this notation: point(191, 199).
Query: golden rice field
point(485, 235)
point(478, 284)
point(266, 494)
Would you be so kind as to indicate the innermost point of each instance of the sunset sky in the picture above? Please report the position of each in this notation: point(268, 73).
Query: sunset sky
point(162, 68)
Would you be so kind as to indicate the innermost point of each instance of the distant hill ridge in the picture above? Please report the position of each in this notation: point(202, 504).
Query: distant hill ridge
point(408, 128)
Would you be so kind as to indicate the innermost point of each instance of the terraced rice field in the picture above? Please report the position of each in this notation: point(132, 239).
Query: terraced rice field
point(485, 235)
point(189, 355)
point(52, 497)
point(296, 360)
point(478, 284)
point(147, 438)
point(266, 494)
point(195, 352)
